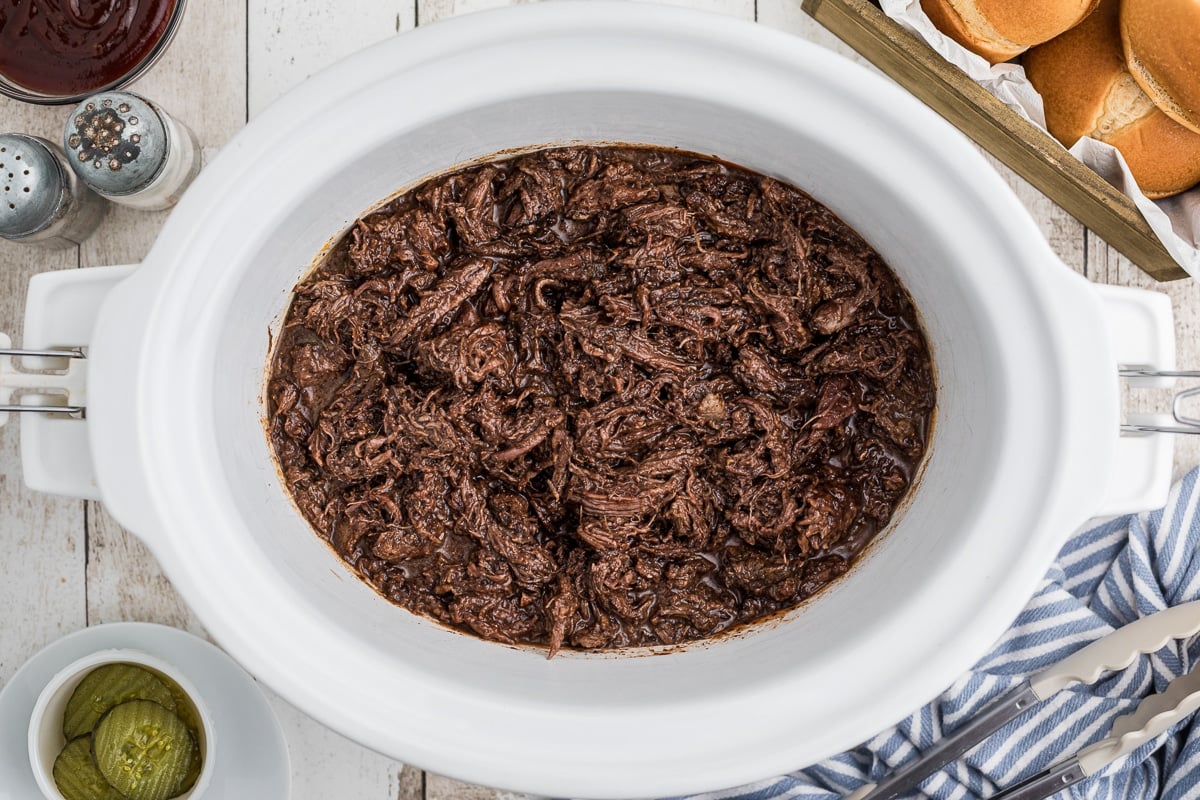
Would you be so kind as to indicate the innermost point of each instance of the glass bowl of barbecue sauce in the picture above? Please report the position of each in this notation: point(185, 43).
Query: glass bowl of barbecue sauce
point(56, 52)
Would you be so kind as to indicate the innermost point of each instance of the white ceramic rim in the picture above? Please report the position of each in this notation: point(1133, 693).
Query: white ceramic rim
point(68, 678)
point(1060, 496)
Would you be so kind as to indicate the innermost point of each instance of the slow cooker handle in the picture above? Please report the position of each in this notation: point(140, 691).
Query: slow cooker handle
point(1141, 329)
point(62, 309)
point(60, 316)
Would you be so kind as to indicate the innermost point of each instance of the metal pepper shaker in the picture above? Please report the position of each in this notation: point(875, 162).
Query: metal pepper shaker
point(42, 201)
point(131, 151)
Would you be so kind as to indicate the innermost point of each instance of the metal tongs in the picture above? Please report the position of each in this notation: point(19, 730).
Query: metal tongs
point(1154, 715)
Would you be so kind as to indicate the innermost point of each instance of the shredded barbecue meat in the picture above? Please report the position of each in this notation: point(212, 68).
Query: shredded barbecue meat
point(600, 397)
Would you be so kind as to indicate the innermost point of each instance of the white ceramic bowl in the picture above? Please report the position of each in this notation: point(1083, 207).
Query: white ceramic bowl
point(46, 738)
point(1025, 448)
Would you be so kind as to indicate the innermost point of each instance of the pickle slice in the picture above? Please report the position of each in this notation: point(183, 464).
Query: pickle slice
point(107, 686)
point(77, 776)
point(185, 709)
point(193, 775)
point(144, 750)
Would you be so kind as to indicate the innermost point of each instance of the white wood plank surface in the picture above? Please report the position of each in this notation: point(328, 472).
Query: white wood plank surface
point(288, 42)
point(68, 564)
point(42, 581)
point(429, 11)
point(433, 10)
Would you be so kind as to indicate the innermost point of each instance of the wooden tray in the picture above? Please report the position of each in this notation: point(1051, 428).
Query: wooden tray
point(1031, 153)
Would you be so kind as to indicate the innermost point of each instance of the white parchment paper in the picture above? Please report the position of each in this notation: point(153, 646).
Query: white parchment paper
point(1176, 220)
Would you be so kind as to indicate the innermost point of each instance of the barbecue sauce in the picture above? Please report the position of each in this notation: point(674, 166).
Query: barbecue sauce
point(66, 47)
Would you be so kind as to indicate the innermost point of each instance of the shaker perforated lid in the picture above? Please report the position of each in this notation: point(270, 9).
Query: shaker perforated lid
point(32, 186)
point(116, 142)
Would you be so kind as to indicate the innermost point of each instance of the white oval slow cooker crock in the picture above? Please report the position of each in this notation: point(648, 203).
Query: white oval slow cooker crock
point(1024, 446)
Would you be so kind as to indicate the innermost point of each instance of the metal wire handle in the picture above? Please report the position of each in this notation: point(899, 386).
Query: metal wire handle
point(1187, 424)
point(66, 352)
point(74, 412)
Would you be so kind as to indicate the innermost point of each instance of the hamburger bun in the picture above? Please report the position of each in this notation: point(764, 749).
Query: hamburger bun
point(1088, 91)
point(1162, 48)
point(1001, 29)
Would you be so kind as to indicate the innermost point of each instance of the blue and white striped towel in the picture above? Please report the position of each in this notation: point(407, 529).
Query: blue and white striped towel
point(1105, 577)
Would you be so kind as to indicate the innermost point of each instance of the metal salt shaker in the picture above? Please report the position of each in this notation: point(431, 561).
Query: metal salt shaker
point(131, 151)
point(42, 201)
